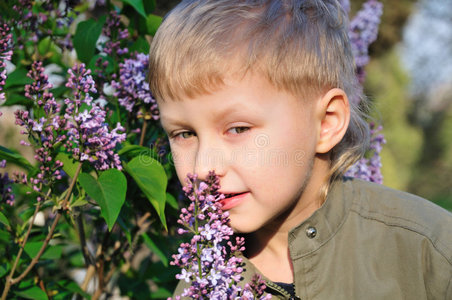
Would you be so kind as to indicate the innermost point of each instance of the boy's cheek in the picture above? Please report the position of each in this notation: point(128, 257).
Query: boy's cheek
point(181, 165)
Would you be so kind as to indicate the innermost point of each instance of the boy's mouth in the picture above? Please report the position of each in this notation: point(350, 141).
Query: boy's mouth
point(229, 195)
point(232, 199)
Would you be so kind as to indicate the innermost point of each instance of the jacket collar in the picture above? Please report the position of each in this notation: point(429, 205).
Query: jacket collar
point(325, 221)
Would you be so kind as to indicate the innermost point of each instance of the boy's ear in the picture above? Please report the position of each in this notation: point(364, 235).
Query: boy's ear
point(334, 117)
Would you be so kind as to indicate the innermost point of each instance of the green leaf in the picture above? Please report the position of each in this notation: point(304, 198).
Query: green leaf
point(59, 91)
point(110, 67)
point(4, 268)
point(125, 229)
point(13, 98)
point(171, 201)
point(135, 150)
point(28, 290)
point(149, 6)
point(17, 77)
point(15, 158)
point(150, 177)
point(109, 191)
point(69, 165)
point(153, 23)
point(4, 219)
point(4, 236)
point(137, 5)
point(155, 249)
point(44, 45)
point(86, 37)
point(141, 45)
point(80, 201)
point(161, 293)
point(51, 252)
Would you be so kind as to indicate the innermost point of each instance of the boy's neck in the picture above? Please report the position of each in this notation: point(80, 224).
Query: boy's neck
point(268, 247)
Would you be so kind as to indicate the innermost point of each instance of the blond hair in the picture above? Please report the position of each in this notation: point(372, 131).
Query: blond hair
point(300, 46)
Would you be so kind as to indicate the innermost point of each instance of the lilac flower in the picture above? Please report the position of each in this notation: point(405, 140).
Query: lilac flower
point(44, 132)
point(210, 261)
point(132, 88)
point(39, 89)
point(112, 30)
point(369, 168)
point(363, 31)
point(89, 136)
point(5, 54)
point(6, 192)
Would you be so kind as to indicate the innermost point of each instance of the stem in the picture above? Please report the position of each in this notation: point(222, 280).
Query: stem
point(198, 249)
point(35, 259)
point(81, 233)
point(143, 132)
point(90, 272)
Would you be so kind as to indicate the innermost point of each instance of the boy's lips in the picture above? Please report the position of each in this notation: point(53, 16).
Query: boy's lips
point(232, 199)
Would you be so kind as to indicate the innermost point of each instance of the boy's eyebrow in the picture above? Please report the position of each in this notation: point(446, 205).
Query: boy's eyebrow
point(215, 115)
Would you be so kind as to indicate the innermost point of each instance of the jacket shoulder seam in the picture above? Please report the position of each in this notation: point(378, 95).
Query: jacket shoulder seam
point(390, 220)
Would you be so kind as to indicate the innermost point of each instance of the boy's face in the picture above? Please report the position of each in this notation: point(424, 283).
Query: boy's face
point(260, 141)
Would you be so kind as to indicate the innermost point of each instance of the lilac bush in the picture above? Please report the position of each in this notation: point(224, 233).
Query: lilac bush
point(363, 32)
point(74, 196)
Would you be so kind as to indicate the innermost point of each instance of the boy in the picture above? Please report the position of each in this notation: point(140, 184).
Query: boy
point(258, 90)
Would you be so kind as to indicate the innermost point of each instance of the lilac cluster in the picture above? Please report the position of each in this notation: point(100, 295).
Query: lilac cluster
point(369, 168)
point(132, 88)
point(112, 30)
point(5, 54)
point(89, 137)
point(27, 20)
point(43, 132)
point(6, 192)
point(362, 32)
point(210, 261)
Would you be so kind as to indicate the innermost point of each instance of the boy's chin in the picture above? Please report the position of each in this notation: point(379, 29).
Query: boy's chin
point(243, 226)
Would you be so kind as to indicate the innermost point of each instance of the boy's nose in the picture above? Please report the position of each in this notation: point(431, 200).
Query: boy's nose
point(209, 159)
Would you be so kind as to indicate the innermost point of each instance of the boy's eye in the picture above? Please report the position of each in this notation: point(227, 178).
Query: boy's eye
point(239, 129)
point(184, 134)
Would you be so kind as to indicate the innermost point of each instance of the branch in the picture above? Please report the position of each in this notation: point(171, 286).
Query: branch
point(143, 132)
point(89, 260)
point(19, 254)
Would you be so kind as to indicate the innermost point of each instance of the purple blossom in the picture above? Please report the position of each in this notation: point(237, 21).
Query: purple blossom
point(43, 132)
point(81, 82)
point(89, 136)
point(210, 262)
point(132, 88)
point(112, 30)
point(363, 31)
point(369, 168)
point(6, 192)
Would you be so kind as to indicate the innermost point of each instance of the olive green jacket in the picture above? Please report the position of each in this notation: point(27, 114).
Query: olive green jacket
point(369, 242)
